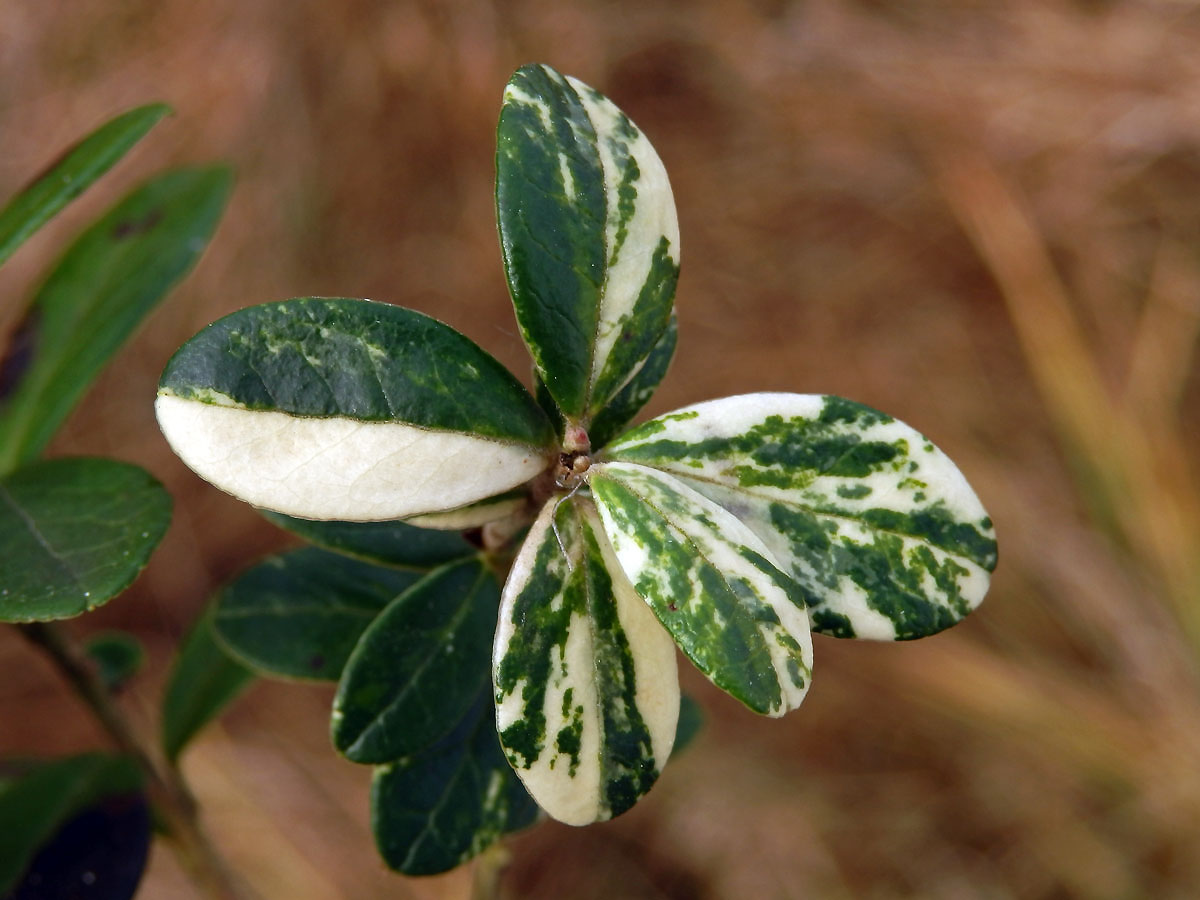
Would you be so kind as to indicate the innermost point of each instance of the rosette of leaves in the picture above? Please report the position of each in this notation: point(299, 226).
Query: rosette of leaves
point(731, 529)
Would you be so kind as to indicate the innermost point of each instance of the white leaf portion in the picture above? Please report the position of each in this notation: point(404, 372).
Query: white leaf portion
point(339, 468)
point(695, 564)
point(633, 229)
point(587, 707)
point(473, 515)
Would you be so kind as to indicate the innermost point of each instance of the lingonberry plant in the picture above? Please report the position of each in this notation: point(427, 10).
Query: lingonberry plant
point(578, 553)
point(75, 532)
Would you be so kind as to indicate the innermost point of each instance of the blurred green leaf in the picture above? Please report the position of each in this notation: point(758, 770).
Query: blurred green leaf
point(74, 533)
point(34, 806)
point(418, 666)
point(589, 236)
point(691, 721)
point(390, 543)
point(72, 173)
point(433, 811)
point(118, 656)
point(102, 287)
point(203, 681)
point(299, 615)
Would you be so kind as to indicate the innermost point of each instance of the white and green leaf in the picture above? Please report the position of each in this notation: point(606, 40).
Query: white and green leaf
point(587, 690)
point(589, 236)
point(351, 410)
point(474, 515)
point(636, 392)
point(711, 582)
point(879, 528)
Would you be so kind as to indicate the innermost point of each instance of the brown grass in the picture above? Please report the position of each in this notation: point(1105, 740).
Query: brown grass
point(981, 217)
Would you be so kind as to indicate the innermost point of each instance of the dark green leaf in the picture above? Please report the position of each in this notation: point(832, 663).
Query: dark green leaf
point(118, 656)
point(418, 666)
point(74, 533)
point(390, 543)
point(348, 409)
point(103, 286)
point(433, 811)
point(691, 721)
point(589, 236)
point(72, 173)
point(299, 615)
point(621, 409)
point(204, 680)
point(33, 807)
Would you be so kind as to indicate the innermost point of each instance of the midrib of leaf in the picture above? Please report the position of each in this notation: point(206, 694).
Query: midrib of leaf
point(428, 830)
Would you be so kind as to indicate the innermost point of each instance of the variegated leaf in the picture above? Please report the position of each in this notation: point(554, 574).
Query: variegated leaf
point(628, 401)
point(587, 690)
point(347, 409)
point(473, 515)
point(711, 582)
point(589, 236)
point(876, 524)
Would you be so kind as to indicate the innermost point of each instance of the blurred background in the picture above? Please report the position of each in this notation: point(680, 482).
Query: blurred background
point(981, 217)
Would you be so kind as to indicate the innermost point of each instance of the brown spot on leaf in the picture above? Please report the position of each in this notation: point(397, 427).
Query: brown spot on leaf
point(132, 227)
point(19, 355)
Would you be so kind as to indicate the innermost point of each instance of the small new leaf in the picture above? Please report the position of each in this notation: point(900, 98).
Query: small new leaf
point(877, 526)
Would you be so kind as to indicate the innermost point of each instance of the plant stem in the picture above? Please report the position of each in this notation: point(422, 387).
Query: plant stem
point(489, 865)
point(173, 804)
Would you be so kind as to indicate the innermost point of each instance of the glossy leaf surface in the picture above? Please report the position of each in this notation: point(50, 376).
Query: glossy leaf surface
point(878, 527)
point(588, 233)
point(418, 666)
point(587, 688)
point(72, 174)
point(101, 289)
point(433, 811)
point(350, 410)
point(36, 805)
point(203, 682)
point(74, 533)
point(299, 614)
point(711, 582)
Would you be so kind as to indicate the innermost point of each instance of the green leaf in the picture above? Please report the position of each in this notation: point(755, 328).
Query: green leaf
point(691, 722)
point(589, 236)
point(34, 806)
point(104, 285)
point(711, 582)
point(204, 680)
point(299, 615)
point(74, 533)
point(72, 174)
point(621, 409)
point(117, 655)
point(878, 527)
point(418, 666)
point(348, 409)
point(433, 811)
point(587, 688)
point(390, 543)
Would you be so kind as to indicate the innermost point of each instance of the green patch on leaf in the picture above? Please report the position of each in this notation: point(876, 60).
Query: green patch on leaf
point(389, 543)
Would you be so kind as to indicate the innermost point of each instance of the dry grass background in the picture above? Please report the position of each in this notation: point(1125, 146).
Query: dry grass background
point(981, 217)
